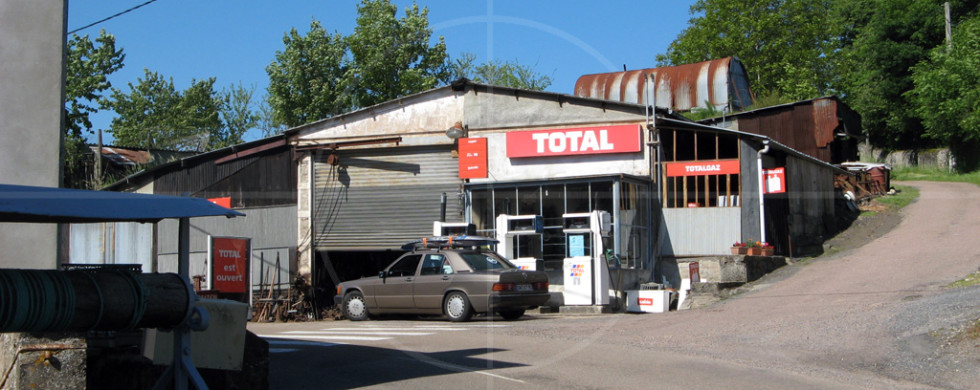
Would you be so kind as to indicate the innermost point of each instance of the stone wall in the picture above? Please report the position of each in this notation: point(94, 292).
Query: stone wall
point(940, 159)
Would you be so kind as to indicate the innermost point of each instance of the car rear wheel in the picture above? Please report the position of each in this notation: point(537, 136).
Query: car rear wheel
point(512, 315)
point(355, 308)
point(457, 307)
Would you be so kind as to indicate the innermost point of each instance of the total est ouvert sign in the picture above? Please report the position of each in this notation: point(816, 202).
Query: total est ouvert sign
point(574, 141)
point(229, 264)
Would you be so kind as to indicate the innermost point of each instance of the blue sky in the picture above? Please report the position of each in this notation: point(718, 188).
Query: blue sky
point(234, 41)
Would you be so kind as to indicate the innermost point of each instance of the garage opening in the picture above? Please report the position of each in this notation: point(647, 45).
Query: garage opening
point(333, 267)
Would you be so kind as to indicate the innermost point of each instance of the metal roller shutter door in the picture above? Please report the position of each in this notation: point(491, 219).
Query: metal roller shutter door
point(382, 198)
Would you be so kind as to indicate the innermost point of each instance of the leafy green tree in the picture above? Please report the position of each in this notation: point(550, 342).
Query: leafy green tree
point(319, 74)
point(154, 115)
point(784, 44)
point(266, 120)
point(507, 74)
point(947, 92)
point(883, 41)
point(87, 67)
point(392, 57)
point(237, 116)
point(307, 81)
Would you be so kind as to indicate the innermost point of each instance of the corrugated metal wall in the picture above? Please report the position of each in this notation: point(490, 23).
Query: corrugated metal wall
point(382, 198)
point(700, 231)
point(112, 243)
point(272, 230)
point(254, 181)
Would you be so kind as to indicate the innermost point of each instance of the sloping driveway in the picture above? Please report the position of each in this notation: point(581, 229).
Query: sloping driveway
point(878, 316)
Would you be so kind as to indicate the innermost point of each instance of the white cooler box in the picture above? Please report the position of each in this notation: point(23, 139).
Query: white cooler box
point(647, 301)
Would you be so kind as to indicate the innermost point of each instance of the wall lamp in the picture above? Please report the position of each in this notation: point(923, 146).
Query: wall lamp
point(457, 131)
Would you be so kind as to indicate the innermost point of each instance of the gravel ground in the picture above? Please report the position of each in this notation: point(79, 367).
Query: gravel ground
point(874, 313)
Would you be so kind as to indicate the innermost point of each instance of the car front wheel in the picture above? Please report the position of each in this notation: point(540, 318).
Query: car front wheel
point(355, 308)
point(457, 307)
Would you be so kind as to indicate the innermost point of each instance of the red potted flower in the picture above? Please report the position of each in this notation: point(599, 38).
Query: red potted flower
point(739, 248)
point(758, 248)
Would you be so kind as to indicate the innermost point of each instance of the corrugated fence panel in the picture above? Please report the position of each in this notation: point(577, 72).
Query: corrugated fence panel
point(701, 231)
point(112, 243)
point(272, 231)
point(382, 198)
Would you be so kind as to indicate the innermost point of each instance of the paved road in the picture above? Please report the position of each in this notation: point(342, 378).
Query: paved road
point(873, 317)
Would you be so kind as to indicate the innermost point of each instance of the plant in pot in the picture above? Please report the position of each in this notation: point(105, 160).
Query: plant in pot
point(739, 248)
point(758, 248)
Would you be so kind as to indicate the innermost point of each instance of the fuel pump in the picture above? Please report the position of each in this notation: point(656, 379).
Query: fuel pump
point(520, 239)
point(586, 275)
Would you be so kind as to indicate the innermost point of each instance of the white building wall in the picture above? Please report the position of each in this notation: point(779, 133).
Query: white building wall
point(32, 40)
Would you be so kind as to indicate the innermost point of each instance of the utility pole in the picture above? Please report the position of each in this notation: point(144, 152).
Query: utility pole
point(949, 30)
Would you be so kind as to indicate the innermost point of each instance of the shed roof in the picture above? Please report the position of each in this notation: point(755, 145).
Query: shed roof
point(63, 205)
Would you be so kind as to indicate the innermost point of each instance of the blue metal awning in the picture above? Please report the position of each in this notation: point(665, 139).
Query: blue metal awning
point(63, 205)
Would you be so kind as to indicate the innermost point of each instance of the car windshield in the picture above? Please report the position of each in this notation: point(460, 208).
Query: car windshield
point(480, 261)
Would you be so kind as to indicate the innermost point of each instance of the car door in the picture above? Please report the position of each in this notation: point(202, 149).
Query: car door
point(394, 293)
point(435, 275)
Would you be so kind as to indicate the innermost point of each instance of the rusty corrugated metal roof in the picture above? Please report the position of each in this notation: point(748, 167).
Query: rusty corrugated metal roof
point(722, 83)
point(123, 156)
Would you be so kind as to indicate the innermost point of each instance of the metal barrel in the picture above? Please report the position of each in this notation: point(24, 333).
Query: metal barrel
point(50, 300)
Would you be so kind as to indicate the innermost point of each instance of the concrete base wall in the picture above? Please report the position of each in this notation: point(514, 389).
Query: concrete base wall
point(55, 362)
point(731, 269)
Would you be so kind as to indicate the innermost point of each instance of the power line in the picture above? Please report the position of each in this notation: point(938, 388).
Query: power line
point(110, 17)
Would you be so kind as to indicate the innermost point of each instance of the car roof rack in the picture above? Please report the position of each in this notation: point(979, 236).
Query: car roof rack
point(460, 241)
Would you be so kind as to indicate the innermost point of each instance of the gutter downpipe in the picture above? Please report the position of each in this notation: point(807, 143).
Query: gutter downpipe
point(762, 202)
point(654, 172)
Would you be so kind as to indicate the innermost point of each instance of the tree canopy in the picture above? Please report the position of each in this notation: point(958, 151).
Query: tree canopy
point(155, 115)
point(87, 67)
point(321, 74)
point(502, 73)
point(784, 44)
point(885, 58)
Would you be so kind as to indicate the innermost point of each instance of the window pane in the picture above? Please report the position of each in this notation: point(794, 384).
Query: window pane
point(406, 266)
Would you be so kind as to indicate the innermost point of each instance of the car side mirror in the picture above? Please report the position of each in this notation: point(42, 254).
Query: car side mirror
point(382, 275)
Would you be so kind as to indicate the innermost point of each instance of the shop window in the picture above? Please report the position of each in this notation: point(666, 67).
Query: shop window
point(529, 200)
point(551, 202)
point(481, 202)
point(578, 198)
point(633, 224)
point(553, 239)
point(700, 188)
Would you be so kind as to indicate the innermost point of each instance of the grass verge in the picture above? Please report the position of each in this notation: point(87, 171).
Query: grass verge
point(902, 198)
point(972, 331)
point(916, 173)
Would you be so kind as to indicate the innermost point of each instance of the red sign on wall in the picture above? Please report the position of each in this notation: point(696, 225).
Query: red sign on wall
point(472, 158)
point(223, 202)
point(775, 180)
point(703, 168)
point(229, 264)
point(582, 140)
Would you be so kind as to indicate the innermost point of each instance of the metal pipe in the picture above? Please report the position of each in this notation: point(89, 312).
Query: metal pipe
point(442, 213)
point(762, 202)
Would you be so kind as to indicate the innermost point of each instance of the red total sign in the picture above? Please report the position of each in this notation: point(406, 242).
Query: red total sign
point(230, 264)
point(582, 140)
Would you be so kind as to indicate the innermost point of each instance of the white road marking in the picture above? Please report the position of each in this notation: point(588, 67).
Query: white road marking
point(359, 332)
point(316, 337)
point(363, 333)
